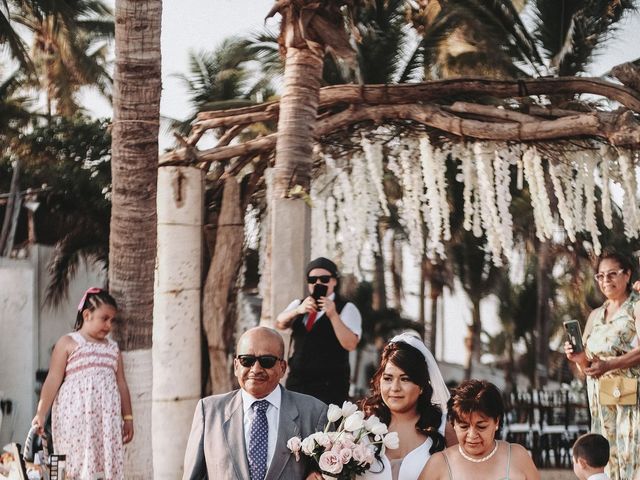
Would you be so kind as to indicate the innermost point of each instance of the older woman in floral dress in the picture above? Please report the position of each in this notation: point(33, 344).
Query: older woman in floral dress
point(611, 355)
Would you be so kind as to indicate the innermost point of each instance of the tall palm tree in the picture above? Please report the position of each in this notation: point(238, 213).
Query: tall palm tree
point(132, 241)
point(69, 48)
point(221, 79)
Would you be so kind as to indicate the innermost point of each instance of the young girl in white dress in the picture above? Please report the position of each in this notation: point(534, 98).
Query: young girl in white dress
point(408, 393)
point(91, 417)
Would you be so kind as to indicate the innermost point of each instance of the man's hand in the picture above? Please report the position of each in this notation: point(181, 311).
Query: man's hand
point(308, 305)
point(328, 305)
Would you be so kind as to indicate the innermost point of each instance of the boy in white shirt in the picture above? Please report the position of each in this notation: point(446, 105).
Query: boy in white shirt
point(590, 457)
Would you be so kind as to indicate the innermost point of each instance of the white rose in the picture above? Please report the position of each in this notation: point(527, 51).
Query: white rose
point(330, 462)
point(334, 413)
point(308, 445)
point(348, 408)
point(391, 440)
point(354, 422)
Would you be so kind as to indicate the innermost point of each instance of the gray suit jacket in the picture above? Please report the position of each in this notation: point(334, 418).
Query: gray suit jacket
point(216, 447)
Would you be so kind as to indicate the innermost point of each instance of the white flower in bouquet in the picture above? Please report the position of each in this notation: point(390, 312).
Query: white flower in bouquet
point(322, 439)
point(308, 445)
point(354, 422)
point(391, 440)
point(375, 426)
point(348, 409)
point(334, 413)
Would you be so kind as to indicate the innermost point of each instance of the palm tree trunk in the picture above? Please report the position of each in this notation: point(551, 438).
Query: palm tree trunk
point(290, 217)
point(543, 314)
point(132, 242)
point(12, 204)
point(473, 340)
point(219, 290)
point(298, 109)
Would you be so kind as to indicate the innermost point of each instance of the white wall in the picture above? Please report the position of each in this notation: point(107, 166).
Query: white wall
point(29, 330)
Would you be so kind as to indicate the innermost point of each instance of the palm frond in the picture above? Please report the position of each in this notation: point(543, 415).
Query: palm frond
point(571, 31)
point(88, 244)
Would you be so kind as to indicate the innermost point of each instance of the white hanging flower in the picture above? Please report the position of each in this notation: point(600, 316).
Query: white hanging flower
point(501, 164)
point(556, 172)
point(589, 164)
point(468, 180)
point(489, 212)
point(607, 214)
point(630, 187)
point(431, 208)
point(373, 155)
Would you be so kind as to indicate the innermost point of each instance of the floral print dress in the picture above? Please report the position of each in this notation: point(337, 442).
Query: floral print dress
point(86, 416)
point(620, 424)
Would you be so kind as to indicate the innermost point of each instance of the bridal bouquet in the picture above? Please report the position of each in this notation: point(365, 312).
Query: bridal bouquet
point(351, 448)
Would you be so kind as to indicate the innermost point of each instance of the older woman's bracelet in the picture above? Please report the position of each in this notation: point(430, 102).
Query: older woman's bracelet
point(127, 418)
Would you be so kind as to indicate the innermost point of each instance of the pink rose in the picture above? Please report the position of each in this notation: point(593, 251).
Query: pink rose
point(360, 454)
point(345, 455)
point(330, 462)
point(294, 444)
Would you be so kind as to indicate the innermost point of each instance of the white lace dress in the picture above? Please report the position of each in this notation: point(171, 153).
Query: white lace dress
point(86, 417)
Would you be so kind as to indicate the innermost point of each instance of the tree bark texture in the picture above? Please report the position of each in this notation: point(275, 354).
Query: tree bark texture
point(298, 109)
point(136, 110)
point(218, 301)
point(132, 242)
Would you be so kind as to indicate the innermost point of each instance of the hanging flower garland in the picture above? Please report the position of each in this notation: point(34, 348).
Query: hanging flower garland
point(374, 156)
point(588, 167)
point(489, 212)
point(431, 203)
point(503, 158)
point(630, 187)
point(607, 213)
point(557, 173)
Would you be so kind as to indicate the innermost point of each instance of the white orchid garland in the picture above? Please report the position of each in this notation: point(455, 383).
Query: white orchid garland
point(349, 196)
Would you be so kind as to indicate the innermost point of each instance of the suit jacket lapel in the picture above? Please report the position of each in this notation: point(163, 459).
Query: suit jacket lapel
point(287, 428)
point(234, 436)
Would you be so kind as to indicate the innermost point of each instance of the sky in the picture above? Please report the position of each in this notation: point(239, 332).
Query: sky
point(203, 24)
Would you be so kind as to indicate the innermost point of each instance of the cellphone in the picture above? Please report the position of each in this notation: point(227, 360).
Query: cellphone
point(319, 290)
point(574, 335)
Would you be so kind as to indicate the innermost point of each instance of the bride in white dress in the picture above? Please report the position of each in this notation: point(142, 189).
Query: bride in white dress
point(408, 393)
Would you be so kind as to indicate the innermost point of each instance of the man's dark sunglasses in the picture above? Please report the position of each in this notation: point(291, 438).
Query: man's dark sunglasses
point(265, 361)
point(311, 279)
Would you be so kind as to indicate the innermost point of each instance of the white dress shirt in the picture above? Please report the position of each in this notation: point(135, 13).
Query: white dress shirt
point(599, 476)
point(350, 315)
point(273, 418)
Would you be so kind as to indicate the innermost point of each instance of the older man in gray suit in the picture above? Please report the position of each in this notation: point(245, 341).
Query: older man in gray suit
point(242, 435)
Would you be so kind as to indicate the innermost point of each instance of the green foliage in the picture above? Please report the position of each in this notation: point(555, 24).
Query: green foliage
point(70, 159)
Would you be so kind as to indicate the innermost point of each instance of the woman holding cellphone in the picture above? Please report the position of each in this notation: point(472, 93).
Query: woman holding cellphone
point(611, 363)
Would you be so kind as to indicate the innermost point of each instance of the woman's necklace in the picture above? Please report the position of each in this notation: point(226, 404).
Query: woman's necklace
point(478, 460)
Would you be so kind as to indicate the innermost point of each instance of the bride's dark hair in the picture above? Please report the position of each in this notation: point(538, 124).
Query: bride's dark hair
point(413, 364)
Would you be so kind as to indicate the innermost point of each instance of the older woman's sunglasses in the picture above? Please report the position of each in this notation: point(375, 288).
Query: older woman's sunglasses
point(265, 361)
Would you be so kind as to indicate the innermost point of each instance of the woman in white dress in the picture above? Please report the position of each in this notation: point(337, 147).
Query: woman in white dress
point(408, 394)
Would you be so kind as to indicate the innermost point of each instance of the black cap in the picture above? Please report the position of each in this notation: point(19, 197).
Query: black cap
point(323, 263)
